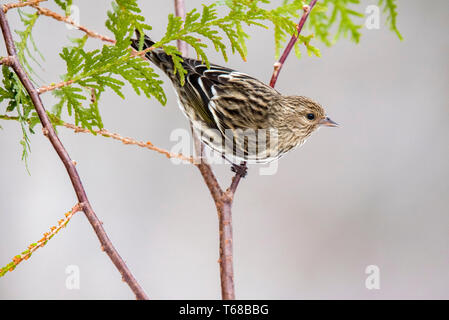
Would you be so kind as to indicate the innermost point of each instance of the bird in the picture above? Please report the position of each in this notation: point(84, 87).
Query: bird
point(235, 114)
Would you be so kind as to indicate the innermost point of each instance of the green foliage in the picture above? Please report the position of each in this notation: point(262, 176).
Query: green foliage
point(65, 5)
point(26, 41)
point(19, 105)
point(208, 25)
point(123, 20)
point(95, 71)
point(340, 13)
point(390, 8)
point(72, 98)
point(348, 21)
point(311, 50)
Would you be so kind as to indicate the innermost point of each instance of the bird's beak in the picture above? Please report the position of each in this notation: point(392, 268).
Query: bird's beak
point(328, 122)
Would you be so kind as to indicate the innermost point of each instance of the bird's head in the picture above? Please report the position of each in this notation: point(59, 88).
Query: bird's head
point(302, 116)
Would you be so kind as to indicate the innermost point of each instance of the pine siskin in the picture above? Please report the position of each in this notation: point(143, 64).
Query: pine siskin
point(236, 114)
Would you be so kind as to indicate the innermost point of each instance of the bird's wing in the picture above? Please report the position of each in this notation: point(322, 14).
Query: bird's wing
point(231, 99)
point(236, 103)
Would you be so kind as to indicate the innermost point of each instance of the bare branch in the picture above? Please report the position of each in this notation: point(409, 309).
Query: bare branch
point(279, 64)
point(131, 141)
point(226, 249)
point(234, 184)
point(180, 11)
point(8, 6)
point(55, 86)
point(42, 242)
point(54, 15)
point(70, 82)
point(105, 133)
point(6, 117)
point(8, 61)
point(49, 131)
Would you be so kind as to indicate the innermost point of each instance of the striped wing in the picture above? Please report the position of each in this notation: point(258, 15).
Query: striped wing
point(237, 104)
point(233, 100)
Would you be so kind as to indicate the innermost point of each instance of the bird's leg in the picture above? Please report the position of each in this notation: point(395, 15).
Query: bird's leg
point(240, 169)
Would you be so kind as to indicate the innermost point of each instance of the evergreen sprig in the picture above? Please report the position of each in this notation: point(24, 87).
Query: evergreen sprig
point(94, 71)
point(340, 13)
point(209, 25)
point(390, 8)
point(26, 42)
point(19, 103)
point(65, 5)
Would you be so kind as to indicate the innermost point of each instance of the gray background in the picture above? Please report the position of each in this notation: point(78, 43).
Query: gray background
point(374, 191)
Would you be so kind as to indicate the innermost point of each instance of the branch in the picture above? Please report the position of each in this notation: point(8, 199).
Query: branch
point(7, 61)
point(54, 15)
point(105, 133)
point(55, 86)
point(127, 140)
point(222, 200)
point(279, 64)
point(25, 255)
point(49, 131)
point(8, 6)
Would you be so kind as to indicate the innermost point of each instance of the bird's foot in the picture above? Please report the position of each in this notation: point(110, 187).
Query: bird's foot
point(240, 169)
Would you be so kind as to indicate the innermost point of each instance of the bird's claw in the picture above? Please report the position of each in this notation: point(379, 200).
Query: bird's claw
point(240, 169)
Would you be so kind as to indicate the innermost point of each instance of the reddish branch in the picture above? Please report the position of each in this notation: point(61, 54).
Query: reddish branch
point(223, 199)
point(54, 15)
point(25, 255)
point(8, 6)
point(180, 11)
point(55, 86)
point(279, 64)
point(50, 133)
point(128, 140)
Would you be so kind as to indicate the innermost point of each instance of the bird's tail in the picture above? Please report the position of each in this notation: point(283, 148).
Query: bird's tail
point(147, 43)
point(157, 56)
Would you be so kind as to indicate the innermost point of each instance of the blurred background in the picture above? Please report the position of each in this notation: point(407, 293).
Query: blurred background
point(373, 192)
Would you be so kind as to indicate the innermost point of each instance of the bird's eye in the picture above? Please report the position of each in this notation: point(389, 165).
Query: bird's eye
point(310, 116)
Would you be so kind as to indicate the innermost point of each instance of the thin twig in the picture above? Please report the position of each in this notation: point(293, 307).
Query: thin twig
point(226, 248)
point(49, 131)
point(25, 255)
point(57, 16)
point(6, 117)
point(279, 64)
point(55, 86)
point(105, 133)
point(7, 61)
point(131, 141)
point(8, 6)
point(223, 200)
